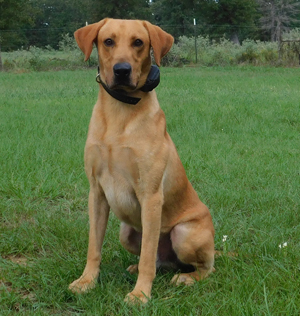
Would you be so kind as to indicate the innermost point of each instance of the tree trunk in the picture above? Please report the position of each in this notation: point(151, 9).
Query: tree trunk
point(235, 38)
point(273, 27)
point(279, 39)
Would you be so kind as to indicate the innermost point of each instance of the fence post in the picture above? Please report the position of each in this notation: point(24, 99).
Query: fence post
point(89, 61)
point(195, 30)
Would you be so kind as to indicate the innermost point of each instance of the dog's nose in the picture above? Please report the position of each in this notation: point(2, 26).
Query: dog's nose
point(122, 70)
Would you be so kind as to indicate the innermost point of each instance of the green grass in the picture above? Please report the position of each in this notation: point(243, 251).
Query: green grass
point(237, 131)
point(38, 59)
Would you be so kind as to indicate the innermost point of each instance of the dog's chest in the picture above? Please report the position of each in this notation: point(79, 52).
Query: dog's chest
point(117, 175)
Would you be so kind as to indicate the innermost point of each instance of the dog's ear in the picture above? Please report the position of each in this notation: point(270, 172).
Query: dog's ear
point(86, 35)
point(160, 41)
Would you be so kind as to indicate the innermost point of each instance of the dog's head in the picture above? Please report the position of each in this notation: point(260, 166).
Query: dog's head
point(124, 50)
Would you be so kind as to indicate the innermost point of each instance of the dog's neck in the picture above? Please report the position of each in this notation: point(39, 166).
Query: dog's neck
point(152, 82)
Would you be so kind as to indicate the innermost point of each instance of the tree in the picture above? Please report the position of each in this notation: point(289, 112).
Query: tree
point(176, 16)
point(58, 17)
point(55, 18)
point(126, 9)
point(233, 18)
point(278, 15)
point(15, 16)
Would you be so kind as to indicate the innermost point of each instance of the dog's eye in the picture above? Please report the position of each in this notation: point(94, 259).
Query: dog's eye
point(138, 43)
point(109, 42)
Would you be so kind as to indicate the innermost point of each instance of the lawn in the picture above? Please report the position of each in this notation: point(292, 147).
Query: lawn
point(237, 131)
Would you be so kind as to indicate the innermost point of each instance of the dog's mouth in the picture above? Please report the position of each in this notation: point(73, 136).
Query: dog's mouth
point(127, 86)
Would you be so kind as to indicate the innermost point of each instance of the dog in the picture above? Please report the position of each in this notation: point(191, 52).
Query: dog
point(133, 166)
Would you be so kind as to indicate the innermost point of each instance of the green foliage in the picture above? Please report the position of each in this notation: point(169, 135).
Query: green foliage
point(210, 53)
point(278, 16)
point(224, 53)
point(175, 16)
point(235, 18)
point(293, 34)
point(69, 56)
point(237, 133)
point(67, 43)
point(15, 17)
point(126, 9)
point(258, 53)
point(41, 23)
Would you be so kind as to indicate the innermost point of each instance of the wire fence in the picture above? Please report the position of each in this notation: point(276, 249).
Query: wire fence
point(201, 44)
point(50, 36)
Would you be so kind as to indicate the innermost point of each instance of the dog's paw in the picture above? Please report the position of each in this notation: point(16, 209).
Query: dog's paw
point(192, 277)
point(133, 269)
point(82, 285)
point(136, 298)
point(183, 278)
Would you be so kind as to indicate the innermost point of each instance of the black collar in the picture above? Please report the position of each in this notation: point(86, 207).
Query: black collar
point(119, 95)
point(152, 81)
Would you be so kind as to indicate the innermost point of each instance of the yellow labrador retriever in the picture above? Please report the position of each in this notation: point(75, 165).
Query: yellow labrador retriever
point(133, 166)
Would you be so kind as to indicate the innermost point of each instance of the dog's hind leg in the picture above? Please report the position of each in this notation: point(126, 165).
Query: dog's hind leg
point(193, 242)
point(131, 240)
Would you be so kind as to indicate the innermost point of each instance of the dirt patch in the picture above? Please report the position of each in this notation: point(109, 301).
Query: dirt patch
point(21, 260)
point(4, 285)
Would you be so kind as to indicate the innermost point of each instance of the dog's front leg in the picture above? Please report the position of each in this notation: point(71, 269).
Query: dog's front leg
point(98, 217)
point(151, 223)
